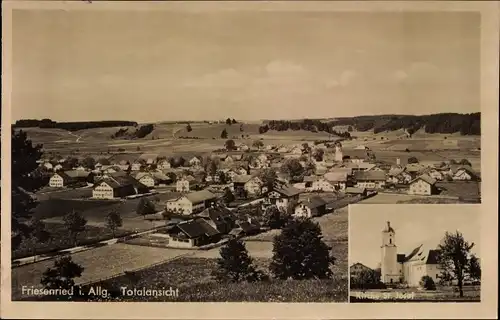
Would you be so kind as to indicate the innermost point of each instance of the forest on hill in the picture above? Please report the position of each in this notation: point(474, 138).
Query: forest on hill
point(71, 126)
point(465, 124)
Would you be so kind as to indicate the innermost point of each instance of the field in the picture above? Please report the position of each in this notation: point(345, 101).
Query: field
point(192, 276)
point(206, 138)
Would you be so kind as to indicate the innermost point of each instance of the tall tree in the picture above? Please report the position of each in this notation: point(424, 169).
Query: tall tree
point(62, 275)
point(293, 169)
point(268, 177)
point(114, 221)
point(228, 196)
point(235, 265)
point(412, 160)
point(188, 128)
point(257, 144)
point(223, 134)
point(230, 145)
point(89, 163)
point(318, 154)
point(474, 268)
point(23, 184)
point(300, 253)
point(75, 223)
point(145, 207)
point(454, 258)
point(228, 121)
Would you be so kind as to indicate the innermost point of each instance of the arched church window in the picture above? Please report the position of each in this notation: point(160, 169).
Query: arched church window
point(390, 241)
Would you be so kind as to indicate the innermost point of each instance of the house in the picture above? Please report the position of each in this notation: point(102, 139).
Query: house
point(117, 186)
point(184, 184)
point(311, 207)
point(243, 147)
point(79, 176)
point(149, 158)
point(464, 173)
point(58, 167)
point(296, 150)
point(414, 169)
point(248, 185)
point(48, 166)
point(80, 168)
point(407, 268)
point(192, 233)
point(423, 185)
point(219, 218)
point(337, 179)
point(369, 179)
point(357, 268)
point(60, 180)
point(136, 166)
point(398, 176)
point(282, 196)
point(164, 164)
point(192, 202)
point(435, 174)
point(356, 191)
point(152, 179)
point(194, 162)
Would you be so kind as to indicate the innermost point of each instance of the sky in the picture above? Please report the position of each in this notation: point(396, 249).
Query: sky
point(413, 225)
point(172, 65)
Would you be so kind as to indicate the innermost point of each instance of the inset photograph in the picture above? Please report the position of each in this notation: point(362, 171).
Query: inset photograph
point(414, 253)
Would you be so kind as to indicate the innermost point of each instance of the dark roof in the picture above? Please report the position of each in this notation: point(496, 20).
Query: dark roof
point(247, 226)
point(196, 228)
point(217, 215)
point(355, 190)
point(63, 175)
point(200, 196)
point(288, 191)
point(433, 257)
point(77, 173)
point(314, 202)
point(117, 181)
point(242, 178)
point(369, 175)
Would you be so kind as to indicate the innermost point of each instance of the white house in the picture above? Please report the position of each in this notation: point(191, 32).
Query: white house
point(164, 164)
point(422, 185)
point(311, 207)
point(282, 196)
point(194, 162)
point(406, 268)
point(184, 184)
point(58, 167)
point(296, 150)
point(48, 166)
point(251, 185)
point(369, 179)
point(464, 173)
point(117, 186)
point(192, 202)
point(337, 179)
point(136, 166)
point(59, 180)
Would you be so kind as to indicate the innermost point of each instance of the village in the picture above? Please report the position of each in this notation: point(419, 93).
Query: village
point(303, 180)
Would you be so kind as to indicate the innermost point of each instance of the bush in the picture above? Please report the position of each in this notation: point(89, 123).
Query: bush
point(427, 283)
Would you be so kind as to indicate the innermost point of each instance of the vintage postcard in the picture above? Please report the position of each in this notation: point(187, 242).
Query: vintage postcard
point(415, 253)
point(243, 154)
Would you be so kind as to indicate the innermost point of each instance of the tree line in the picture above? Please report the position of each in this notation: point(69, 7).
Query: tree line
point(466, 124)
point(71, 126)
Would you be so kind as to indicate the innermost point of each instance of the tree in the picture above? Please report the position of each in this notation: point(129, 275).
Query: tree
point(114, 221)
point(453, 161)
point(145, 207)
point(300, 253)
point(89, 162)
point(104, 161)
point(23, 184)
point(235, 265)
point(234, 121)
point(412, 160)
point(70, 163)
point(427, 283)
point(318, 154)
point(228, 196)
point(221, 175)
point(62, 274)
point(228, 121)
point(274, 218)
point(349, 129)
point(257, 144)
point(474, 268)
point(241, 127)
point(365, 279)
point(293, 169)
point(39, 234)
point(268, 176)
point(75, 223)
point(455, 257)
point(230, 145)
point(223, 134)
point(188, 128)
point(306, 148)
point(465, 162)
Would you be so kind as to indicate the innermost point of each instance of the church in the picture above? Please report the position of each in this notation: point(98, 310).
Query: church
point(406, 268)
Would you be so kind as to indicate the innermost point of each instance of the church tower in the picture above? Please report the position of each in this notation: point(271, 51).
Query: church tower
point(338, 152)
point(389, 264)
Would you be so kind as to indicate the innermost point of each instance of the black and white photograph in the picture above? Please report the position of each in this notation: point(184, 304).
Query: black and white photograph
point(212, 154)
point(420, 253)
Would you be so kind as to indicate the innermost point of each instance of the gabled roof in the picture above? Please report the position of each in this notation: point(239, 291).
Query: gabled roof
point(146, 156)
point(369, 175)
point(355, 190)
point(288, 191)
point(313, 202)
point(414, 167)
point(63, 175)
point(200, 196)
point(425, 178)
point(196, 228)
point(217, 214)
point(336, 176)
point(117, 181)
point(77, 173)
point(311, 178)
point(242, 178)
point(423, 254)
